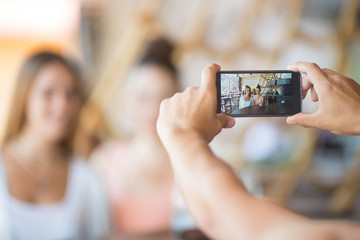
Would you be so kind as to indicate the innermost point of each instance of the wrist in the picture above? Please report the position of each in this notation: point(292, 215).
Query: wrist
point(179, 141)
point(178, 136)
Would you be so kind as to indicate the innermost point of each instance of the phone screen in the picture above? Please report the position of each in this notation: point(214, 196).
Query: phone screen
point(258, 93)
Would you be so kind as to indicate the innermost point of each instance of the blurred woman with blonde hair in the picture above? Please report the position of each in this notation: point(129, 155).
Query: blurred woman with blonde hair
point(246, 100)
point(46, 192)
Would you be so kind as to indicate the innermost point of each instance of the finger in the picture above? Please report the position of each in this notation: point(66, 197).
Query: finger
point(191, 89)
point(303, 119)
point(306, 85)
point(226, 120)
point(312, 70)
point(208, 77)
point(314, 96)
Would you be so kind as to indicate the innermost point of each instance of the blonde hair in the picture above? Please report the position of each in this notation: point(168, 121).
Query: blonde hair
point(25, 79)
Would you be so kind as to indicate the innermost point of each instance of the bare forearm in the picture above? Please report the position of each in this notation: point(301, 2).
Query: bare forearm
point(215, 195)
point(225, 210)
point(210, 187)
point(193, 159)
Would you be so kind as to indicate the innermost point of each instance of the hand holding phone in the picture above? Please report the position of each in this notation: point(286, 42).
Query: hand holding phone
point(338, 97)
point(192, 113)
point(258, 93)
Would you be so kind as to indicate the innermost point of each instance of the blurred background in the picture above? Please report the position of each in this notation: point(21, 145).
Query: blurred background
point(313, 172)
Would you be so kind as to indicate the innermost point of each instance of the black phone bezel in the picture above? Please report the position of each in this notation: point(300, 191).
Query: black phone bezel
point(296, 99)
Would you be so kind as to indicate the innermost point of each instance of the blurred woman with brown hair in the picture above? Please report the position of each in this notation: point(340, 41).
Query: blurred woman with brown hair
point(137, 171)
point(258, 99)
point(46, 192)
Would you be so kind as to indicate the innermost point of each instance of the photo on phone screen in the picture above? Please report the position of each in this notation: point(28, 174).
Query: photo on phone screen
point(258, 93)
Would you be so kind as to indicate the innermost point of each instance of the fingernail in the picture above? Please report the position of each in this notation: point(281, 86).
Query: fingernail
point(231, 123)
point(290, 121)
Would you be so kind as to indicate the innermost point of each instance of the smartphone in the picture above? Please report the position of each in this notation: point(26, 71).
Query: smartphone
point(258, 93)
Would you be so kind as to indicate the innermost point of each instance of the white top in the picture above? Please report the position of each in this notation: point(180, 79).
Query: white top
point(243, 103)
point(82, 214)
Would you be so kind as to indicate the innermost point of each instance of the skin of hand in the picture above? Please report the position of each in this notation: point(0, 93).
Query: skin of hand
point(196, 117)
point(338, 96)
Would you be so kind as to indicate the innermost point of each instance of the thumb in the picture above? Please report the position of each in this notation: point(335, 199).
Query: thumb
point(303, 119)
point(226, 120)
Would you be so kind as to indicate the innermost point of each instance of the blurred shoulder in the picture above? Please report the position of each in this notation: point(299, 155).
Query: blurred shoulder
point(108, 152)
point(111, 148)
point(82, 168)
point(95, 201)
point(86, 176)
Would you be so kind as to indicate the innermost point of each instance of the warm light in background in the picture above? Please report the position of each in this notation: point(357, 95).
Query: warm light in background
point(39, 18)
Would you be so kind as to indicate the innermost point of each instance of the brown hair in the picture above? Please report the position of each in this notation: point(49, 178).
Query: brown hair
point(25, 79)
point(258, 87)
point(247, 86)
point(159, 52)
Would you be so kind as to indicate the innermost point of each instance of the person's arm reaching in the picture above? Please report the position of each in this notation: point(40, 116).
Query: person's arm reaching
point(216, 197)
